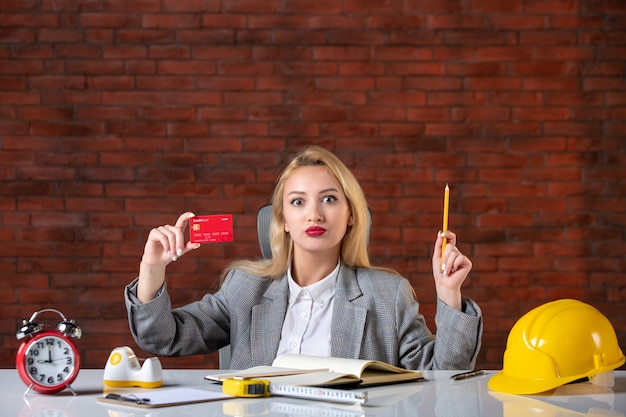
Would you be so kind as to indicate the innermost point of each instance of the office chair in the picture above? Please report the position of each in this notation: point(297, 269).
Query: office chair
point(263, 222)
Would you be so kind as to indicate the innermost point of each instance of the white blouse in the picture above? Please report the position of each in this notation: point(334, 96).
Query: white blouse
point(306, 330)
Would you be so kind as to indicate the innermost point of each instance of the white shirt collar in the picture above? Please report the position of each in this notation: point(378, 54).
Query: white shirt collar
point(320, 291)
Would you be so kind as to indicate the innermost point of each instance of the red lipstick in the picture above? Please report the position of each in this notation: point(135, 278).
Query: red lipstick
point(315, 231)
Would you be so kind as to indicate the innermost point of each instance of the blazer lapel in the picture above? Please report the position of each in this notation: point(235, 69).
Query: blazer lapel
point(267, 322)
point(348, 323)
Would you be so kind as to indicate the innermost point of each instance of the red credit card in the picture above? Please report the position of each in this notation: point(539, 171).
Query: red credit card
point(211, 229)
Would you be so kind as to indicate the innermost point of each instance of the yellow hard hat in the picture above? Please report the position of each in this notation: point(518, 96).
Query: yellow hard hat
point(554, 344)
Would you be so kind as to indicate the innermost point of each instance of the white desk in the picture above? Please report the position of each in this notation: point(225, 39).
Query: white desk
point(437, 396)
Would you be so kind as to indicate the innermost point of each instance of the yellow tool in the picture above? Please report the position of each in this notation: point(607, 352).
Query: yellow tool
point(246, 387)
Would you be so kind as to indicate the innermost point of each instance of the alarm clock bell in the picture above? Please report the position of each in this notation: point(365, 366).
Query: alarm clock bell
point(123, 370)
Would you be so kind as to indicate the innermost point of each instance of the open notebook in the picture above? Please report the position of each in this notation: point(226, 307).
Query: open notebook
point(321, 371)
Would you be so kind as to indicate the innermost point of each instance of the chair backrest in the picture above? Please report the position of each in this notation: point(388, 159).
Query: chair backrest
point(263, 223)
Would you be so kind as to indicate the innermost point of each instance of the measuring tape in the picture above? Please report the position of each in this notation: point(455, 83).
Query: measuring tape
point(263, 388)
point(246, 387)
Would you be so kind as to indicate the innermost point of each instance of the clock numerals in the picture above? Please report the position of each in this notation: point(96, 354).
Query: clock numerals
point(50, 361)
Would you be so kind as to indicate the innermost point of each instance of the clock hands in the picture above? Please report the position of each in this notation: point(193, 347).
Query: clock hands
point(50, 360)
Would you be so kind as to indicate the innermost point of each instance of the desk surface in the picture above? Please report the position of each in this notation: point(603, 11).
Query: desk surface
point(437, 396)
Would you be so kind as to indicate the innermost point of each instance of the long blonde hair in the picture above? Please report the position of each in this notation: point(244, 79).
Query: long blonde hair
point(354, 245)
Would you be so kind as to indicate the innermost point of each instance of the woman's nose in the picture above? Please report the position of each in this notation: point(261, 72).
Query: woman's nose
point(315, 213)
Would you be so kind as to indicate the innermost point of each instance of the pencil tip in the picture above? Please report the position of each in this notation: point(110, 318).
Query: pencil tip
point(446, 185)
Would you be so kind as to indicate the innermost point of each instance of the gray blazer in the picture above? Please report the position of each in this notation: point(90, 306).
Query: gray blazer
point(375, 316)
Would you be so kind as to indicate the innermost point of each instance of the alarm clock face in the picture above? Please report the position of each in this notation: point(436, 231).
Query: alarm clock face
point(48, 361)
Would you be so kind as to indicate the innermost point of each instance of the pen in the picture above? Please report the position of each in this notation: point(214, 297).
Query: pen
point(446, 207)
point(129, 399)
point(469, 374)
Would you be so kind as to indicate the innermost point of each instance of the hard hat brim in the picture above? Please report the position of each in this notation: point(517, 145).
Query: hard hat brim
point(501, 382)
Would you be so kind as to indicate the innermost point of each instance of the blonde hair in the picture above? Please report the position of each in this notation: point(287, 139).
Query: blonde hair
point(354, 245)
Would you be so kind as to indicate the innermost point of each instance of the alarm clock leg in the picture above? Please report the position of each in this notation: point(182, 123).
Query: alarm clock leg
point(28, 390)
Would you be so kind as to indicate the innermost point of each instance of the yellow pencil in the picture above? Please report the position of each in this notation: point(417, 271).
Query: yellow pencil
point(446, 206)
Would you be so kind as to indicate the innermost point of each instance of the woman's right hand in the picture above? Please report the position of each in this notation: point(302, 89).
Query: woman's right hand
point(168, 243)
point(165, 244)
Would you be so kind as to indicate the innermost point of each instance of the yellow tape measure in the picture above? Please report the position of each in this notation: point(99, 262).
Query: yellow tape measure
point(240, 387)
point(246, 387)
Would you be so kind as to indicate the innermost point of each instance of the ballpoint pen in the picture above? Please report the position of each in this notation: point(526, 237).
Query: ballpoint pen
point(469, 374)
point(129, 399)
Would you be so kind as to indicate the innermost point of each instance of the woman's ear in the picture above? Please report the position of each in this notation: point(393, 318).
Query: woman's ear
point(350, 220)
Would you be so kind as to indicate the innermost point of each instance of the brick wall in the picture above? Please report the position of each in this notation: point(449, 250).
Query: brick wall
point(116, 116)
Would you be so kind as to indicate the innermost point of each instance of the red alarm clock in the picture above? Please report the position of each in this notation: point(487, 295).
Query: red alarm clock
point(48, 361)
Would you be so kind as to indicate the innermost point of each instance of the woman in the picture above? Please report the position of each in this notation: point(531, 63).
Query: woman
point(318, 295)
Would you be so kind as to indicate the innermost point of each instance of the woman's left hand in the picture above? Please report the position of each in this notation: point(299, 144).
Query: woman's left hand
point(450, 270)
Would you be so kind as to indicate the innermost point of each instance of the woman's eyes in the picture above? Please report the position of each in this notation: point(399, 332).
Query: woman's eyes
point(326, 199)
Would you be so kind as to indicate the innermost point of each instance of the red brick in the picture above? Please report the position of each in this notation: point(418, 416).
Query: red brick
point(66, 129)
point(452, 129)
point(389, 83)
point(400, 53)
point(543, 37)
point(191, 6)
point(550, 83)
point(124, 52)
point(60, 35)
point(434, 7)
point(492, 83)
point(186, 67)
point(455, 98)
point(576, 22)
point(603, 84)
point(481, 114)
point(475, 37)
point(17, 35)
point(38, 51)
point(433, 83)
point(416, 69)
point(338, 21)
point(206, 36)
point(455, 22)
point(541, 113)
point(171, 21)
point(312, 8)
point(509, 53)
point(345, 53)
point(109, 20)
point(100, 35)
point(176, 114)
point(19, 98)
point(562, 53)
point(12, 83)
point(238, 129)
point(95, 67)
point(513, 129)
point(573, 129)
point(477, 68)
point(516, 22)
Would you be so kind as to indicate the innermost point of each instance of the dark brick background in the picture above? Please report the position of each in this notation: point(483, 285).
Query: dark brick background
point(117, 115)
